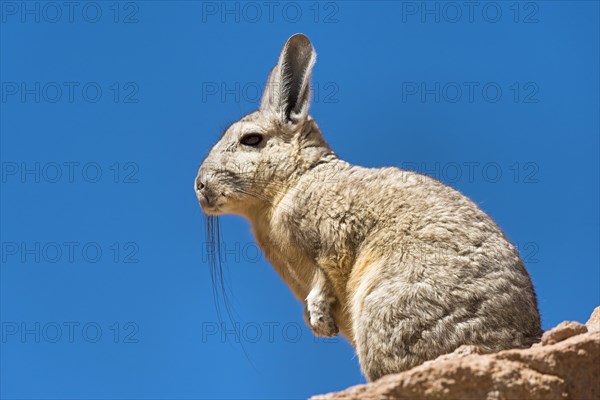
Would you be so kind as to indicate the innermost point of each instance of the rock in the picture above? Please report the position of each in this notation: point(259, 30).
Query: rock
point(462, 351)
point(593, 324)
point(565, 365)
point(562, 331)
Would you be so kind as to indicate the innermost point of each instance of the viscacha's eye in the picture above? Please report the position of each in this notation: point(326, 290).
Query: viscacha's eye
point(251, 139)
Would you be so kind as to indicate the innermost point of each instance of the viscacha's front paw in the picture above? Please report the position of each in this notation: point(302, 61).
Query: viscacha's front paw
point(318, 316)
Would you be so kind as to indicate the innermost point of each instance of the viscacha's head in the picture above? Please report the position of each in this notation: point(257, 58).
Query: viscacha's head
point(258, 157)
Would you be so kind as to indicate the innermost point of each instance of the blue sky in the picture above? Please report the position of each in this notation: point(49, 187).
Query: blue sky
point(108, 109)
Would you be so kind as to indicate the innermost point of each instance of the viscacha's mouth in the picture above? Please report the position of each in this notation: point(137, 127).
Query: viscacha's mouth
point(210, 204)
point(203, 199)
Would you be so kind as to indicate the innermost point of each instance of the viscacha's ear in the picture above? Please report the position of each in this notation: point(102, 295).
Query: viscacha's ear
point(287, 93)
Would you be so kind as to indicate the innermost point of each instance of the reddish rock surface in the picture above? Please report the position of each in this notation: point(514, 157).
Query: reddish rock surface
point(564, 365)
point(593, 323)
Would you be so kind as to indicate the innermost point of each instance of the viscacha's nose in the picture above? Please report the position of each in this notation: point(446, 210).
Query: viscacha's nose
point(199, 184)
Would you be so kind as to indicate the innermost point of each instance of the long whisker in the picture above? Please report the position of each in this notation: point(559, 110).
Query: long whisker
point(213, 240)
point(214, 259)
